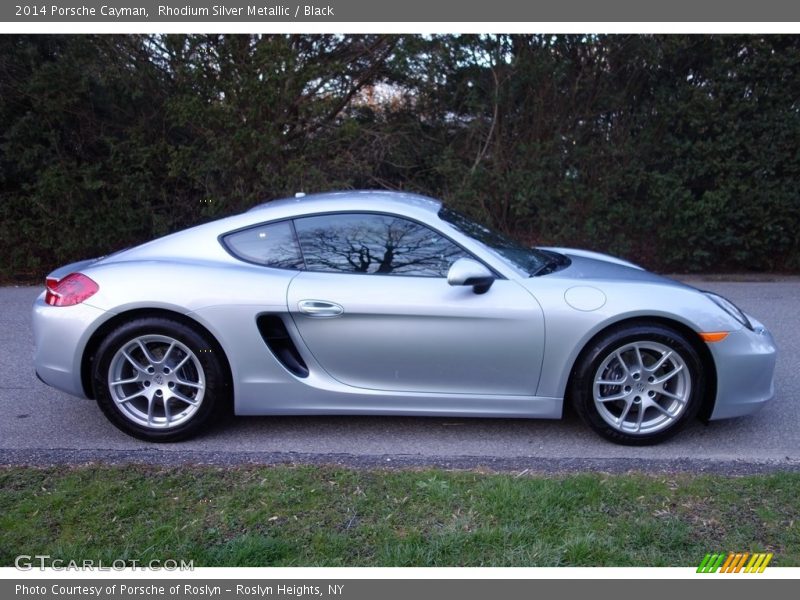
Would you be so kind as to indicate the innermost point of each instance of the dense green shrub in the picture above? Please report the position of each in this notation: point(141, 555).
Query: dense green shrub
point(677, 152)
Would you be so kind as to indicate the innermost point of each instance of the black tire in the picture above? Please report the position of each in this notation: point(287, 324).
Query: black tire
point(679, 396)
point(182, 394)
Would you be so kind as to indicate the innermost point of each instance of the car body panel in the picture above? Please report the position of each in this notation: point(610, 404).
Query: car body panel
point(745, 363)
point(60, 335)
point(418, 334)
point(263, 386)
point(403, 345)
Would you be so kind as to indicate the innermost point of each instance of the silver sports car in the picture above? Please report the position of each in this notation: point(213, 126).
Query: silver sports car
point(393, 304)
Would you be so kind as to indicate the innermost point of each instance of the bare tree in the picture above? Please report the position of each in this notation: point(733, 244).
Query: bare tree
point(376, 244)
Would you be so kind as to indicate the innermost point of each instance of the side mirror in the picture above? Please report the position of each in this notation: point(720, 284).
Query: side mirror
point(466, 271)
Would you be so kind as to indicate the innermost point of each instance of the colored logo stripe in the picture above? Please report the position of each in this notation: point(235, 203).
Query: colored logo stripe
point(734, 562)
point(711, 563)
point(758, 563)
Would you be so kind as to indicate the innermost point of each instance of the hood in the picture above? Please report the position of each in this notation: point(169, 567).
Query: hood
point(595, 266)
point(571, 252)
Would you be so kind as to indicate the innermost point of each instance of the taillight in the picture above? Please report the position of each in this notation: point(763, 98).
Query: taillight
point(70, 290)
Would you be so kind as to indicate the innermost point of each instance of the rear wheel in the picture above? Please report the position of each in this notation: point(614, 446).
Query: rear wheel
point(638, 384)
point(158, 379)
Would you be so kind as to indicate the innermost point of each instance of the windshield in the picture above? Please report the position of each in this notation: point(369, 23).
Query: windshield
point(530, 260)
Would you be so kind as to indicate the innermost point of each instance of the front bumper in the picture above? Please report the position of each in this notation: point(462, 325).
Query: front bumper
point(745, 363)
point(60, 336)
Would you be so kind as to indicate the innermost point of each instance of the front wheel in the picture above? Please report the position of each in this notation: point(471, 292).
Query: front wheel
point(638, 384)
point(158, 379)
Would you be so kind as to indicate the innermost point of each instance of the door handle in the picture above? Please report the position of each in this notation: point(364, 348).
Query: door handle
point(319, 308)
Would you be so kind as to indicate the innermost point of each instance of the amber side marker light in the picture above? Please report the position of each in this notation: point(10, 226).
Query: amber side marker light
point(713, 336)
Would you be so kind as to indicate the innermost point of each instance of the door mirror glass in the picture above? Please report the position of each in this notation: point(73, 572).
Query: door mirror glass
point(466, 271)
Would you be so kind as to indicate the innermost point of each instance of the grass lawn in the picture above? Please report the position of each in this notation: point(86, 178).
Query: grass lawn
point(325, 516)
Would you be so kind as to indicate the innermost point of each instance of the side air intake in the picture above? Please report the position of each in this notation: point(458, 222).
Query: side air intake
point(273, 330)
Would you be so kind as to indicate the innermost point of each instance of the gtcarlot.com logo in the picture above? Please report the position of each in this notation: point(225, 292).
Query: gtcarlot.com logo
point(42, 562)
point(735, 562)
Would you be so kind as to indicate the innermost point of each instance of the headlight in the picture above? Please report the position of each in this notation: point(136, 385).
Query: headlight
point(730, 308)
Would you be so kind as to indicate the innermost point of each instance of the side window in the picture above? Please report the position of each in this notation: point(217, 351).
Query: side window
point(378, 244)
point(272, 245)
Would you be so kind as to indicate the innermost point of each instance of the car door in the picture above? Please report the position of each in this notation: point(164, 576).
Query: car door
point(375, 310)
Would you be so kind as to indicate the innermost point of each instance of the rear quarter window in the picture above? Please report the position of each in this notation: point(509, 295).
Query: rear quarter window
point(271, 245)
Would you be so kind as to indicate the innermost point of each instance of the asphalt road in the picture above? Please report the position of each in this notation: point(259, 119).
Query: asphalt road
point(39, 425)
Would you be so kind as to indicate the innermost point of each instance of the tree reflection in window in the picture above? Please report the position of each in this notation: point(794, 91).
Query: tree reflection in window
point(379, 244)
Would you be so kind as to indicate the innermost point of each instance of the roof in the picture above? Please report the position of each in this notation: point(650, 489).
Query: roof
point(377, 199)
point(192, 244)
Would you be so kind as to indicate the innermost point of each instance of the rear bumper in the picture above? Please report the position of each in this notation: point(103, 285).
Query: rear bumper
point(60, 335)
point(745, 362)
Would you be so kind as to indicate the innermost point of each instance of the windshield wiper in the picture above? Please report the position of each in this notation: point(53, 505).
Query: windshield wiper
point(554, 261)
point(547, 267)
